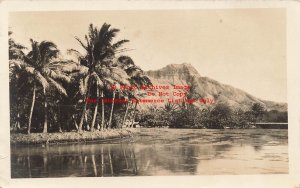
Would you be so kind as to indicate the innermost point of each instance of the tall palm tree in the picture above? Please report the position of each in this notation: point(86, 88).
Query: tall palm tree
point(100, 52)
point(41, 73)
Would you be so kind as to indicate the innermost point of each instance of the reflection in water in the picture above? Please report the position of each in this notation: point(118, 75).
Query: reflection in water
point(160, 152)
point(75, 160)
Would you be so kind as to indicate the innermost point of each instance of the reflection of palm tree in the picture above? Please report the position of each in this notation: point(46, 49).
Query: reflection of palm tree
point(94, 165)
point(45, 158)
point(102, 161)
point(135, 171)
point(28, 163)
point(125, 156)
point(110, 162)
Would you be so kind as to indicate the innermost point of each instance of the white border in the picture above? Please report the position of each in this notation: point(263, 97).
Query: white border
point(293, 69)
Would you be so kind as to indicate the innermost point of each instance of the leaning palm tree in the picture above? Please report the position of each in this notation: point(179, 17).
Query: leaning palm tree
point(136, 78)
point(120, 77)
point(99, 51)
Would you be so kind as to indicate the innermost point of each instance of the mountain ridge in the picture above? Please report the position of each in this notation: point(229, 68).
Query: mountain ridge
point(205, 87)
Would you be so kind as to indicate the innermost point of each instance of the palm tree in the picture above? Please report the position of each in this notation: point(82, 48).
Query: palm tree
point(119, 76)
point(100, 52)
point(15, 49)
point(15, 53)
point(136, 78)
point(34, 77)
point(41, 72)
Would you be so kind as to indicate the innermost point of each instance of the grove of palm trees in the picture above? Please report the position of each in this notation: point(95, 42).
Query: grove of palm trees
point(49, 93)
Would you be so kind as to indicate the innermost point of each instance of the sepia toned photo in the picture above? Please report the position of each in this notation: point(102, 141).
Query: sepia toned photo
point(114, 93)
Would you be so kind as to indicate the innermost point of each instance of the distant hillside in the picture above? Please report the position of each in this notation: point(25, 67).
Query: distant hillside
point(204, 87)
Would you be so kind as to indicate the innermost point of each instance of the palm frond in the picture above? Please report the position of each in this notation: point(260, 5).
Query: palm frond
point(119, 75)
point(48, 50)
point(41, 79)
point(108, 81)
point(119, 44)
point(111, 34)
point(58, 75)
point(58, 86)
point(104, 28)
point(30, 70)
point(98, 80)
point(126, 60)
point(71, 67)
point(82, 44)
point(75, 53)
point(34, 55)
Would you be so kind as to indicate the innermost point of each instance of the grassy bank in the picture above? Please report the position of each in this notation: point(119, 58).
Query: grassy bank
point(69, 137)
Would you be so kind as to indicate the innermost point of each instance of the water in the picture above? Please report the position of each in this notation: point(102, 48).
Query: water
point(160, 152)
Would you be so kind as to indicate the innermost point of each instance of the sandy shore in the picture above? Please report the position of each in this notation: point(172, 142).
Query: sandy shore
point(69, 137)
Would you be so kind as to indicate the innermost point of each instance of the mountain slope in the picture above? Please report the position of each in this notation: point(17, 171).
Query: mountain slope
point(204, 87)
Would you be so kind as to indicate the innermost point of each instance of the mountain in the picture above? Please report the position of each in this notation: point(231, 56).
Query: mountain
point(203, 88)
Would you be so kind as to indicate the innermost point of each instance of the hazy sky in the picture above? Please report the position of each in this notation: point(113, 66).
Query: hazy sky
point(245, 48)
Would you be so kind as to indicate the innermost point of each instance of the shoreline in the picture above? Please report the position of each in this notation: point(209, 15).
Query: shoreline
point(71, 137)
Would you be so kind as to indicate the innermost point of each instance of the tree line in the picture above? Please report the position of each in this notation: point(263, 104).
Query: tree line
point(219, 116)
point(49, 92)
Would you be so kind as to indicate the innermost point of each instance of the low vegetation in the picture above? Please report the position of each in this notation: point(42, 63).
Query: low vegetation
point(219, 116)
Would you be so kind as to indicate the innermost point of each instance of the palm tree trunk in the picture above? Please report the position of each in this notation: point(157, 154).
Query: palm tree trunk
point(96, 110)
point(87, 123)
point(59, 119)
point(75, 123)
point(46, 113)
point(31, 109)
point(125, 116)
point(84, 109)
point(133, 118)
point(112, 109)
point(18, 121)
point(82, 117)
point(102, 114)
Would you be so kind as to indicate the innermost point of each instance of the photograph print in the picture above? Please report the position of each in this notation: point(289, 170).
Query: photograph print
point(113, 93)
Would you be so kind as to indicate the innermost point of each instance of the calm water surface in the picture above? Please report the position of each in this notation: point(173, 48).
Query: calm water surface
point(160, 152)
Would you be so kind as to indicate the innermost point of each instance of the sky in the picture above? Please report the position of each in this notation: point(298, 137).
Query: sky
point(245, 48)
